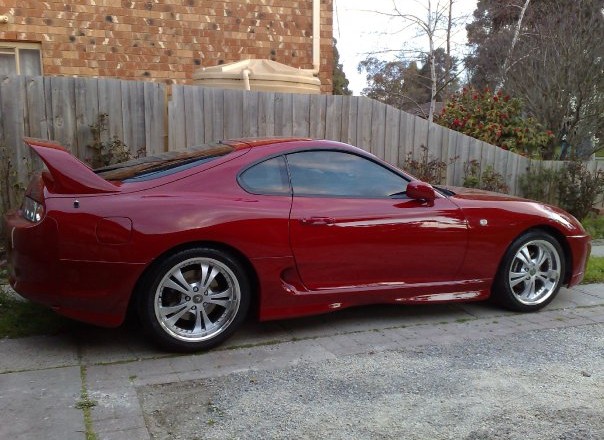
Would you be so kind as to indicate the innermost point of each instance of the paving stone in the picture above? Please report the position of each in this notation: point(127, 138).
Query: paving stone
point(41, 405)
point(118, 361)
point(37, 353)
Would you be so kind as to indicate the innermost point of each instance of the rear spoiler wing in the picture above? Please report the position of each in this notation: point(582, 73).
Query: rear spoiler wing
point(67, 174)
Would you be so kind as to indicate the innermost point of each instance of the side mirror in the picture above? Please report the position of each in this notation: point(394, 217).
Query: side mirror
point(423, 191)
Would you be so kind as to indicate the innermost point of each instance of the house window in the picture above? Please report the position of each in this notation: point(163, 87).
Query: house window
point(20, 58)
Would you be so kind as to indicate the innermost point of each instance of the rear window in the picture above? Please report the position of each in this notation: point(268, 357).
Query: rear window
point(163, 164)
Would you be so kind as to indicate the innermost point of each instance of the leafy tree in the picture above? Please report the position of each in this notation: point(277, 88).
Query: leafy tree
point(406, 86)
point(495, 118)
point(340, 82)
point(549, 53)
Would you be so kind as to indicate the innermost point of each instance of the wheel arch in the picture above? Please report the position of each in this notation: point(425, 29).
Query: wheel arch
point(234, 252)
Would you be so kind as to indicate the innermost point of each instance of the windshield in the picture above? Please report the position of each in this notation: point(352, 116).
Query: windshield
point(159, 165)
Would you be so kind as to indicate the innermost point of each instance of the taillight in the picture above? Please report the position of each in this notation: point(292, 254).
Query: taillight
point(32, 210)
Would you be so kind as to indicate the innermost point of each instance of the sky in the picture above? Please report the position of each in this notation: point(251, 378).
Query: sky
point(361, 30)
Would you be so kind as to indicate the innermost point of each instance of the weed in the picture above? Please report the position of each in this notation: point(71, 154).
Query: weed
point(111, 151)
point(595, 271)
point(20, 318)
point(427, 168)
point(594, 225)
point(488, 180)
point(86, 404)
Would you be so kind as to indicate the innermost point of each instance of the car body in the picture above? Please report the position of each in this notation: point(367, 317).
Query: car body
point(294, 226)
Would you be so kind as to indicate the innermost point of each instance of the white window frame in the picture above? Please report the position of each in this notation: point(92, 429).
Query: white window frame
point(14, 47)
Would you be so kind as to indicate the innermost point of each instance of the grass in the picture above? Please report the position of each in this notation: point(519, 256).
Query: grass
point(23, 318)
point(595, 271)
point(594, 225)
point(86, 404)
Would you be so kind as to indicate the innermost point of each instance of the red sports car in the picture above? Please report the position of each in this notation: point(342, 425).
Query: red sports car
point(294, 226)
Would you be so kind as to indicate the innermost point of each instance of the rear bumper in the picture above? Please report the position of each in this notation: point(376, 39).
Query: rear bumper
point(97, 292)
point(580, 248)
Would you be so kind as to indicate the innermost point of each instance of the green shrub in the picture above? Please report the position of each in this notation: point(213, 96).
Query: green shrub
point(573, 188)
point(579, 189)
point(489, 179)
point(540, 184)
point(497, 119)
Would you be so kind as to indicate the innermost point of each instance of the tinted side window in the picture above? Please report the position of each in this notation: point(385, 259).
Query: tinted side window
point(268, 177)
point(334, 173)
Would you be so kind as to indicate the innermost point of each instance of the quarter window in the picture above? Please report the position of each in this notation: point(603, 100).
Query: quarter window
point(341, 174)
point(268, 177)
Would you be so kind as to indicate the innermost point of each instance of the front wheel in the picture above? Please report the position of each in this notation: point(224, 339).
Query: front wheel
point(194, 299)
point(531, 273)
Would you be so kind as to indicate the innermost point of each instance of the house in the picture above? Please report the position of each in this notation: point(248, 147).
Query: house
point(165, 40)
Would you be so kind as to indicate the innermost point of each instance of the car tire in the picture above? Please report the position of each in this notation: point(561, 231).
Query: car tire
point(194, 299)
point(531, 273)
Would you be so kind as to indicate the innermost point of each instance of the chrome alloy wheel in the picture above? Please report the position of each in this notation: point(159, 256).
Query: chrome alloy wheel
point(535, 272)
point(197, 299)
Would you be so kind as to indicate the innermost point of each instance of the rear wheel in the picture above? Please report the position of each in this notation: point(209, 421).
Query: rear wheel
point(195, 299)
point(531, 273)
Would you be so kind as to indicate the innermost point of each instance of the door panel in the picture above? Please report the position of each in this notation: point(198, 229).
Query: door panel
point(354, 241)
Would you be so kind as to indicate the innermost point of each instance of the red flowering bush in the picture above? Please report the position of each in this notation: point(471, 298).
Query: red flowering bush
point(496, 119)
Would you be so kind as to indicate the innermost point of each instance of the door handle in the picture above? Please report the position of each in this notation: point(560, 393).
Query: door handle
point(317, 221)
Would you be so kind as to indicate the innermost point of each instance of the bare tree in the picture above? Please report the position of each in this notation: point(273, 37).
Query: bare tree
point(435, 26)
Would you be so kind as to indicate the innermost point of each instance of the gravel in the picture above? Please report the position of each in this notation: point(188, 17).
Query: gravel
point(545, 384)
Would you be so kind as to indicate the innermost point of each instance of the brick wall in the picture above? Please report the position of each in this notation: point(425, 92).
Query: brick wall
point(167, 40)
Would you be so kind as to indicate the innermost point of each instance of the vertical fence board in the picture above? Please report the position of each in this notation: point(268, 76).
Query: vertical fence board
point(349, 120)
point(233, 110)
point(301, 115)
point(48, 107)
point(154, 97)
point(451, 136)
point(266, 114)
point(87, 114)
point(333, 118)
point(208, 115)
point(134, 117)
point(190, 115)
point(250, 114)
point(434, 142)
point(317, 116)
point(463, 155)
point(176, 118)
point(364, 113)
point(378, 130)
point(63, 111)
point(36, 107)
point(391, 136)
point(13, 99)
point(110, 103)
point(420, 136)
point(218, 117)
point(406, 133)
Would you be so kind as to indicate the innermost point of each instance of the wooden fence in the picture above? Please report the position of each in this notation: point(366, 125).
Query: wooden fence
point(63, 109)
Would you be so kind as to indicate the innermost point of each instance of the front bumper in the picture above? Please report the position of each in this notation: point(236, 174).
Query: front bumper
point(580, 248)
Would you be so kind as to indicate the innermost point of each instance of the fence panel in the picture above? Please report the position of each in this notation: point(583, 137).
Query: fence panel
point(64, 109)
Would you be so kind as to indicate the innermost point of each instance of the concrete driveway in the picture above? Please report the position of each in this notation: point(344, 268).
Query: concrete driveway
point(456, 371)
